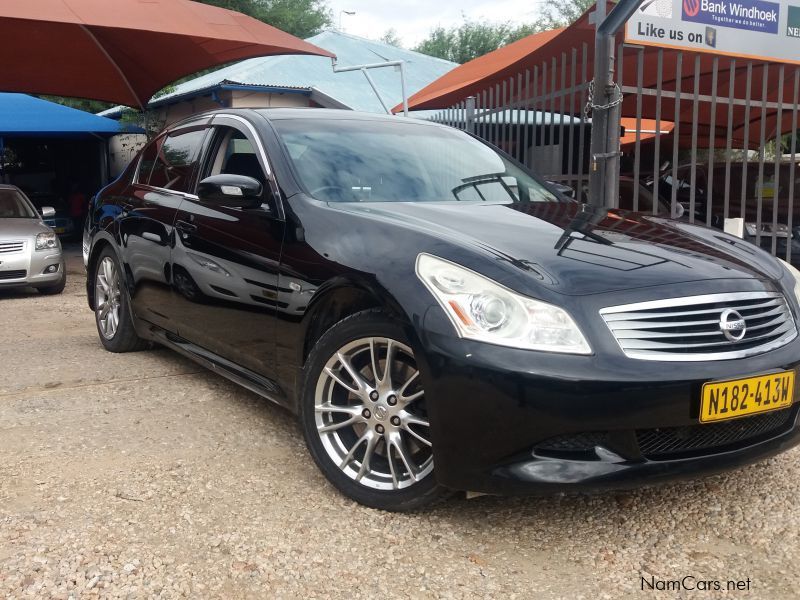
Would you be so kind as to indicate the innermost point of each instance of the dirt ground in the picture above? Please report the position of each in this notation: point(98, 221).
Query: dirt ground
point(142, 475)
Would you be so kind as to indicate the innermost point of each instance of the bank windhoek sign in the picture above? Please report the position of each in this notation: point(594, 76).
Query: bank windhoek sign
point(748, 28)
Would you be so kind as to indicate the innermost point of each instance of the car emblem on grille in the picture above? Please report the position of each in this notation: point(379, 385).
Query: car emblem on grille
point(732, 325)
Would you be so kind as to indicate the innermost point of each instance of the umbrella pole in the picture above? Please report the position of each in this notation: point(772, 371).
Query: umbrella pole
point(114, 64)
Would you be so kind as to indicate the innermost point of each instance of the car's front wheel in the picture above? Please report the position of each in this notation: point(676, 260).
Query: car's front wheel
point(365, 417)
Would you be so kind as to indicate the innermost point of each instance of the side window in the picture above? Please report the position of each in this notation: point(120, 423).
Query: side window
point(149, 155)
point(235, 155)
point(175, 160)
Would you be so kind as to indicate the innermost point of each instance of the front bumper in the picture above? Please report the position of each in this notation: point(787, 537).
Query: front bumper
point(519, 422)
point(28, 268)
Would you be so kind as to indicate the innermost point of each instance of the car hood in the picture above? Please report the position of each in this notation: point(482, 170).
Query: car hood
point(577, 249)
point(21, 228)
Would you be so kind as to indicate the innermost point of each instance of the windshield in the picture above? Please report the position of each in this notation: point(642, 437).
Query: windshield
point(383, 161)
point(13, 205)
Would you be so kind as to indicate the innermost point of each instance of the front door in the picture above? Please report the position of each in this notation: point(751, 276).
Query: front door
point(225, 260)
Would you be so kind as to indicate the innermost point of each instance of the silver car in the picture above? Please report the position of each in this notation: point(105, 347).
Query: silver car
point(30, 253)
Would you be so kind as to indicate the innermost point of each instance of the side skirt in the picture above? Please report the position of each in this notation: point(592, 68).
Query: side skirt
point(248, 379)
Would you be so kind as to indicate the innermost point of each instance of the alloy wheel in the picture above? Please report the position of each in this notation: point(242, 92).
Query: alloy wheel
point(371, 416)
point(107, 297)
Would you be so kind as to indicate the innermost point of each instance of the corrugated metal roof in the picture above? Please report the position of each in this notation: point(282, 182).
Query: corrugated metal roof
point(350, 89)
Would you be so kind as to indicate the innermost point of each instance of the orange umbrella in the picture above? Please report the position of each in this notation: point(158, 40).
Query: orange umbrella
point(124, 51)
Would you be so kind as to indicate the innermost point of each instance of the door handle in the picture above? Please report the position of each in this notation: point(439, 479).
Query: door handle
point(185, 227)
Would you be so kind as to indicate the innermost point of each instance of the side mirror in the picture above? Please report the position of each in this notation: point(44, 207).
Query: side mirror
point(237, 191)
point(48, 211)
point(679, 211)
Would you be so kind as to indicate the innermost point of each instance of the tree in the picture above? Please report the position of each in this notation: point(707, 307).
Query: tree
point(302, 18)
point(392, 38)
point(560, 13)
point(471, 39)
point(92, 106)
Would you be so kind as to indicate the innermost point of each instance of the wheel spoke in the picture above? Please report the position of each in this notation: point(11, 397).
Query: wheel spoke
point(395, 483)
point(386, 379)
point(341, 381)
point(402, 452)
point(417, 436)
point(355, 375)
point(411, 419)
point(374, 361)
point(408, 399)
point(108, 271)
point(372, 442)
point(102, 284)
point(327, 407)
point(351, 454)
point(339, 424)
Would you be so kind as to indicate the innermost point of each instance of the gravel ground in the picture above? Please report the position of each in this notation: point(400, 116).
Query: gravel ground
point(141, 475)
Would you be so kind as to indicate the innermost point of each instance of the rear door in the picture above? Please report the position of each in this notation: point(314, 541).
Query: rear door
point(226, 259)
point(166, 173)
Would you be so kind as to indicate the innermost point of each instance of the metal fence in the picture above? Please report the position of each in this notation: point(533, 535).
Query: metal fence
point(706, 139)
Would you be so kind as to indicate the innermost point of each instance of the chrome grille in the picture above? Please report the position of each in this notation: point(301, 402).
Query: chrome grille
point(8, 247)
point(689, 329)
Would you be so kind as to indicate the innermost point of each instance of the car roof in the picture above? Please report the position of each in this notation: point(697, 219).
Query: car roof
point(305, 113)
point(8, 186)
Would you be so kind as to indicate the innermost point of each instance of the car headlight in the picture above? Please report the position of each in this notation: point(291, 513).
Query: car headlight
point(484, 310)
point(46, 241)
point(796, 274)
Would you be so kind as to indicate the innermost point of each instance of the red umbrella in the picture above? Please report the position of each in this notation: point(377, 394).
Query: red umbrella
point(124, 51)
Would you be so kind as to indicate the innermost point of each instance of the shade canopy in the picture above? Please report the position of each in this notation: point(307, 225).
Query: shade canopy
point(124, 51)
point(26, 116)
point(571, 50)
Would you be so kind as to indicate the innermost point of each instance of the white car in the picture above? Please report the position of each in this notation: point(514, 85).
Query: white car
point(30, 253)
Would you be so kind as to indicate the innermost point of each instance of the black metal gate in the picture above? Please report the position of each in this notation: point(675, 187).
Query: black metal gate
point(705, 138)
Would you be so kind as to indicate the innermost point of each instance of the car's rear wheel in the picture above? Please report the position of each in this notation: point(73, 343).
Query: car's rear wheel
point(111, 313)
point(365, 416)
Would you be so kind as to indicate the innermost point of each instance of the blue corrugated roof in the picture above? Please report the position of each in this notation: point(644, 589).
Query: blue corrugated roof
point(22, 115)
point(315, 72)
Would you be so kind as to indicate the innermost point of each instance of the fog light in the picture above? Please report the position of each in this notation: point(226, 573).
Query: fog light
point(51, 269)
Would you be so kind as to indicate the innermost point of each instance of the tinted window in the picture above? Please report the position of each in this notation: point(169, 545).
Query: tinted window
point(14, 206)
point(147, 161)
point(175, 160)
point(385, 161)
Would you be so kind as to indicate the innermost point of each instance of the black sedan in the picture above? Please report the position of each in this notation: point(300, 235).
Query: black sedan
point(439, 318)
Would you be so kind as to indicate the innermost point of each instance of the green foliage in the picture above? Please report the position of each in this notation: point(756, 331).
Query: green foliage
point(92, 106)
point(392, 38)
point(560, 13)
point(302, 18)
point(472, 39)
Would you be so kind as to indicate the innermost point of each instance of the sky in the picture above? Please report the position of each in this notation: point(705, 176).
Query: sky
point(413, 19)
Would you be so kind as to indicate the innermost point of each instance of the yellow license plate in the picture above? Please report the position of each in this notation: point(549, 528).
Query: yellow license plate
point(60, 229)
point(740, 397)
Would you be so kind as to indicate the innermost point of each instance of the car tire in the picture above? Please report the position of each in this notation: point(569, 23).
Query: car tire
point(112, 315)
point(345, 419)
point(51, 290)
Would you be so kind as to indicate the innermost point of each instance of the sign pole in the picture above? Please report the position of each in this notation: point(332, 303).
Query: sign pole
point(604, 102)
